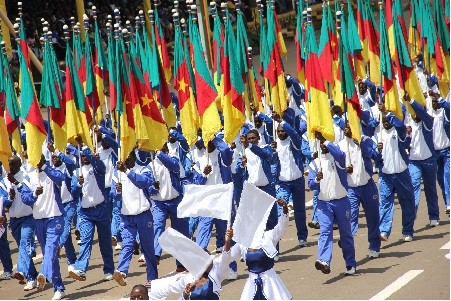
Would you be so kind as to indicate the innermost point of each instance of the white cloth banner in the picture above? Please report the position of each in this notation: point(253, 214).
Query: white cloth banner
point(190, 255)
point(207, 200)
point(251, 216)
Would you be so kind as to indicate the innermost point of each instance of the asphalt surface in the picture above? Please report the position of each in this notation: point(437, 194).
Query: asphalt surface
point(423, 256)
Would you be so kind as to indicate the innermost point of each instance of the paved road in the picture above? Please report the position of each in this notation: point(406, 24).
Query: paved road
point(423, 260)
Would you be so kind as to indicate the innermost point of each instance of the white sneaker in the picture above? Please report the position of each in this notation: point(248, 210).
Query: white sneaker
point(142, 258)
point(384, 236)
point(302, 243)
point(232, 275)
point(70, 267)
point(407, 238)
point(78, 275)
point(219, 250)
point(120, 278)
point(350, 271)
point(107, 277)
point(58, 295)
point(434, 223)
point(276, 258)
point(30, 285)
point(373, 254)
point(118, 246)
point(448, 208)
point(6, 276)
point(79, 242)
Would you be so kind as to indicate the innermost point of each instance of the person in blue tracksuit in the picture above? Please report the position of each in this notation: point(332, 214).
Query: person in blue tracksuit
point(422, 163)
point(67, 166)
point(257, 161)
point(89, 188)
point(41, 190)
point(108, 152)
point(362, 189)
point(107, 122)
point(166, 171)
point(22, 224)
point(133, 185)
point(5, 252)
point(394, 176)
point(178, 146)
point(290, 180)
point(366, 93)
point(441, 114)
point(327, 173)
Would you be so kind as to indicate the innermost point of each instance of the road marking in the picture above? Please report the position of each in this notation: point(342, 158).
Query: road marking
point(397, 284)
point(39, 256)
point(445, 246)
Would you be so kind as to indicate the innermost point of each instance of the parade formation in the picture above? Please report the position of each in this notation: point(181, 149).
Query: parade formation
point(105, 144)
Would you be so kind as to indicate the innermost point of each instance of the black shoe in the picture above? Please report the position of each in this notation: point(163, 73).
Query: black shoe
point(158, 259)
point(313, 225)
point(339, 243)
point(322, 266)
point(335, 227)
point(77, 234)
point(136, 248)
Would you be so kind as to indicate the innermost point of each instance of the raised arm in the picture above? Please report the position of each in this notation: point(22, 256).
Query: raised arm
point(171, 163)
point(141, 180)
point(264, 152)
point(294, 136)
point(398, 124)
point(225, 150)
point(55, 175)
point(98, 164)
point(336, 152)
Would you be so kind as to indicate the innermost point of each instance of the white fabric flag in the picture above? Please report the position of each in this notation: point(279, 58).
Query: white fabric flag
point(251, 216)
point(190, 255)
point(207, 200)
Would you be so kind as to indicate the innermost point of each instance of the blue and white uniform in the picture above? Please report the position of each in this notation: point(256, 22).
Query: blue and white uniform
point(422, 160)
point(180, 149)
point(5, 252)
point(395, 177)
point(333, 203)
point(48, 215)
point(93, 212)
point(362, 189)
point(168, 197)
point(137, 186)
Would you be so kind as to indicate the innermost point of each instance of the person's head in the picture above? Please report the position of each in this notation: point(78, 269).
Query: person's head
point(56, 161)
point(211, 147)
point(336, 110)
point(139, 292)
point(107, 116)
point(14, 164)
point(131, 160)
point(434, 101)
point(385, 123)
point(281, 133)
point(362, 88)
point(84, 159)
point(258, 122)
point(253, 137)
point(171, 138)
point(324, 149)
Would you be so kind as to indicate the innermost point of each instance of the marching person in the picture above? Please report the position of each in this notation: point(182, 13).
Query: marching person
point(394, 176)
point(89, 188)
point(166, 169)
point(362, 189)
point(22, 224)
point(5, 251)
point(441, 114)
point(132, 186)
point(290, 181)
point(422, 163)
point(327, 173)
point(41, 190)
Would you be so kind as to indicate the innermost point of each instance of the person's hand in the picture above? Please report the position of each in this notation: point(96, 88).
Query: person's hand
point(12, 194)
point(156, 185)
point(244, 141)
point(425, 71)
point(382, 108)
point(274, 145)
point(380, 147)
point(119, 187)
point(188, 289)
point(192, 164)
point(319, 176)
point(121, 166)
point(207, 169)
point(406, 97)
point(349, 169)
point(320, 137)
point(233, 145)
point(81, 180)
point(409, 130)
point(229, 234)
point(347, 132)
point(358, 79)
point(254, 109)
point(51, 147)
point(315, 155)
point(276, 117)
point(39, 191)
point(79, 140)
point(244, 161)
point(12, 179)
point(24, 154)
point(41, 163)
point(283, 204)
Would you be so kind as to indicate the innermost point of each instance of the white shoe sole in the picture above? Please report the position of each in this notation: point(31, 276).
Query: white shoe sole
point(75, 276)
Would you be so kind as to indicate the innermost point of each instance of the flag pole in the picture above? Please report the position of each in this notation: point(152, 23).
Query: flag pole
point(380, 2)
point(251, 100)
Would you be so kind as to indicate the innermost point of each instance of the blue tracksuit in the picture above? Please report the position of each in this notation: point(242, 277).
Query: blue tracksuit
point(140, 221)
point(50, 228)
point(186, 175)
point(399, 181)
point(161, 208)
point(90, 215)
point(5, 252)
point(426, 168)
point(294, 187)
point(442, 154)
point(333, 205)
